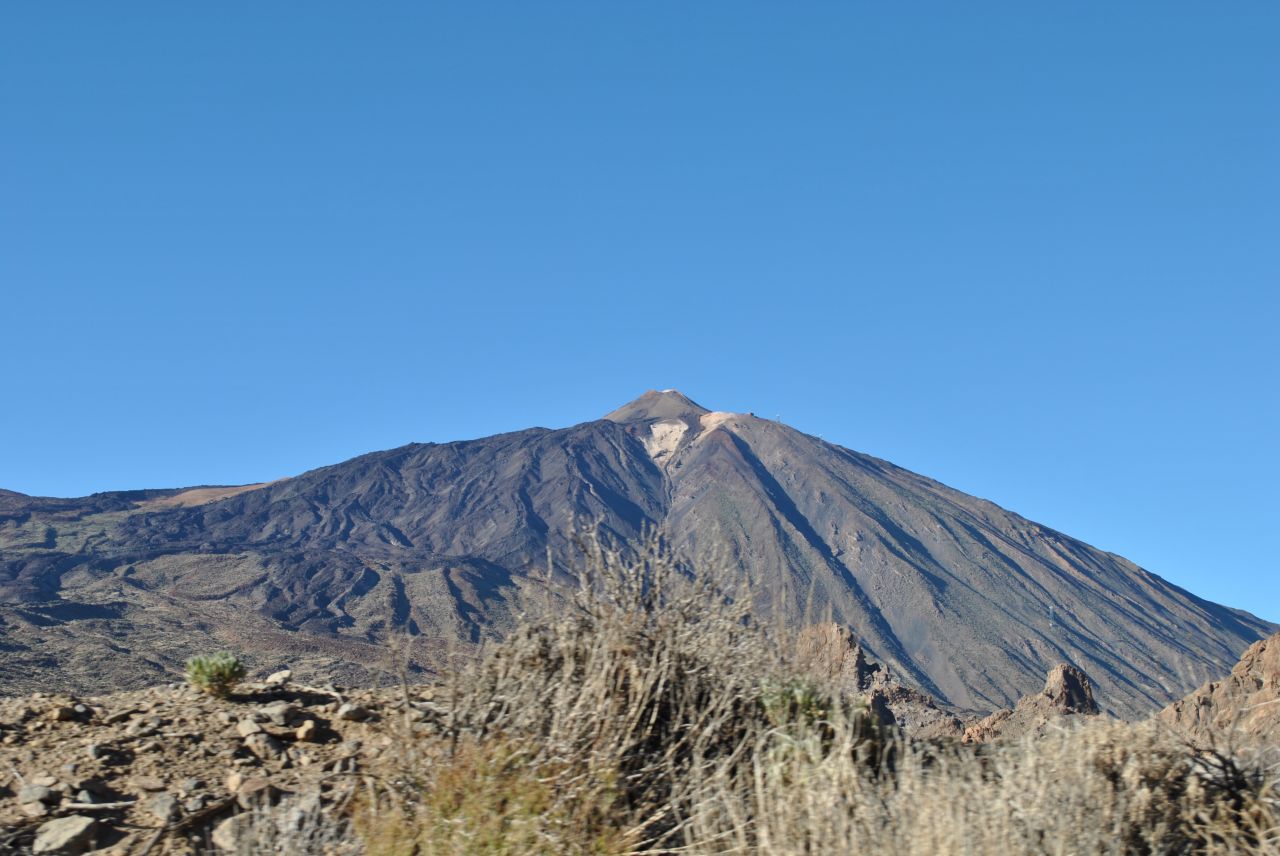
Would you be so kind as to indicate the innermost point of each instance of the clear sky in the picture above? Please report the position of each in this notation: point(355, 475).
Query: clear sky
point(1029, 249)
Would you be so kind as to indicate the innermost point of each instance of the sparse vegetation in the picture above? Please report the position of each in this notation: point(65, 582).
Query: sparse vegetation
point(648, 713)
point(216, 674)
point(654, 716)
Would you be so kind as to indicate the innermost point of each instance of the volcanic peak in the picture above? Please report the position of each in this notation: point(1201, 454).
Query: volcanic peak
point(658, 404)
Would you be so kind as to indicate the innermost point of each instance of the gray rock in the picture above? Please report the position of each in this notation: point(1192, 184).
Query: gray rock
point(280, 713)
point(36, 794)
point(163, 807)
point(33, 809)
point(257, 791)
point(66, 835)
point(264, 746)
point(148, 783)
point(227, 835)
point(247, 728)
point(353, 713)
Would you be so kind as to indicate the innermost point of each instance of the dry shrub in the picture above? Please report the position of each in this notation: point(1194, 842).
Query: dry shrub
point(650, 713)
point(497, 798)
point(647, 679)
point(1110, 788)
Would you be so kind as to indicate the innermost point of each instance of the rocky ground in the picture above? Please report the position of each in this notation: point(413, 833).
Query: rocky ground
point(171, 770)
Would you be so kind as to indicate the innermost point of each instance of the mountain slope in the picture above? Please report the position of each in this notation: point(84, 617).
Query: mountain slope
point(958, 597)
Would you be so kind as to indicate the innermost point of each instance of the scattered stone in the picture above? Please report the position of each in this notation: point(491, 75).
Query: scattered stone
point(307, 731)
point(256, 791)
point(264, 746)
point(234, 780)
point(163, 807)
point(33, 809)
point(33, 793)
point(44, 780)
point(227, 835)
point(69, 835)
point(279, 679)
point(247, 728)
point(105, 754)
point(141, 729)
point(148, 783)
point(353, 713)
point(280, 713)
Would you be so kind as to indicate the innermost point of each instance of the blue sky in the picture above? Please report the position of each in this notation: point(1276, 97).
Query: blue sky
point(1031, 250)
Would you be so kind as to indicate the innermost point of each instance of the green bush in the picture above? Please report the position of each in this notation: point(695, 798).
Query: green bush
point(215, 674)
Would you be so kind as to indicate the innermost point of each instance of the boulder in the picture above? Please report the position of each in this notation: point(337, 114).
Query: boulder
point(66, 835)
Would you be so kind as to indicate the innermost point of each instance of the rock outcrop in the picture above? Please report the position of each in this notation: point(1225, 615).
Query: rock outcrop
point(1245, 704)
point(1067, 696)
point(830, 652)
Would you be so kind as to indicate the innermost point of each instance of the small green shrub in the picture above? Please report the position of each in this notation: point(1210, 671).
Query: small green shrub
point(793, 700)
point(215, 674)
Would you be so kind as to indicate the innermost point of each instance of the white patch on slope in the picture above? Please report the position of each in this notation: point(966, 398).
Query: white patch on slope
point(663, 438)
point(711, 420)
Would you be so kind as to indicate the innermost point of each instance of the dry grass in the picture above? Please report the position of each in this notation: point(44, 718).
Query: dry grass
point(652, 715)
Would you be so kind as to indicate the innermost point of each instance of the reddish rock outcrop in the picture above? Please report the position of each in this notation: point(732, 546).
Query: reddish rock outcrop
point(1244, 704)
point(1067, 693)
point(830, 651)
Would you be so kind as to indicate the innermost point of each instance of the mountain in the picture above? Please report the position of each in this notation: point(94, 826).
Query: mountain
point(438, 543)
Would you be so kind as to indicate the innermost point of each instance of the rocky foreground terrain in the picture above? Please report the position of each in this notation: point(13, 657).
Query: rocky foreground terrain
point(438, 546)
point(170, 769)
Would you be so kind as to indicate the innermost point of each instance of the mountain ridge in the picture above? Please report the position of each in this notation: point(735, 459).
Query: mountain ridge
point(966, 601)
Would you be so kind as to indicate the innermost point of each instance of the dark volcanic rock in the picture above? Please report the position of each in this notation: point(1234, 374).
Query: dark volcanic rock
point(437, 544)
